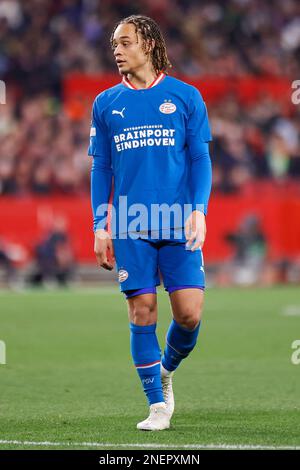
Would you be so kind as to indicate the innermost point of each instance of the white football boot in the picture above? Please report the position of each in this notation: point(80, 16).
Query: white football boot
point(166, 380)
point(157, 420)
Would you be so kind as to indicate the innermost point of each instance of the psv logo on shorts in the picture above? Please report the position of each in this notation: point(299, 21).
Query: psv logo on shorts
point(123, 275)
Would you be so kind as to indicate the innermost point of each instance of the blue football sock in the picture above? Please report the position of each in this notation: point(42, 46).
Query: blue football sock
point(146, 356)
point(180, 342)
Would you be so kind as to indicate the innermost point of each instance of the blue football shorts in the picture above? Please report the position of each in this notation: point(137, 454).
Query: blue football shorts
point(140, 261)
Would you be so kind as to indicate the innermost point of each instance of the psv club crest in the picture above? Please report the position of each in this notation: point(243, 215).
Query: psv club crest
point(122, 275)
point(167, 107)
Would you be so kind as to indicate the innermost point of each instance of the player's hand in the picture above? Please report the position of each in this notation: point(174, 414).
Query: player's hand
point(104, 249)
point(195, 230)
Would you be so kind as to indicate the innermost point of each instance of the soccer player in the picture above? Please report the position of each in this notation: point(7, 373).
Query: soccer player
point(149, 143)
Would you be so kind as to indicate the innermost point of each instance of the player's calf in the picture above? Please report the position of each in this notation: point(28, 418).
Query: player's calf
point(180, 341)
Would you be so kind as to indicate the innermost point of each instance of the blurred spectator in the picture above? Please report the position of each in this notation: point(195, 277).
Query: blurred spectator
point(250, 263)
point(42, 178)
point(12, 256)
point(54, 257)
point(250, 254)
point(6, 263)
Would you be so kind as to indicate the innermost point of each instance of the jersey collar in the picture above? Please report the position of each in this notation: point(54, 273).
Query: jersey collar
point(158, 79)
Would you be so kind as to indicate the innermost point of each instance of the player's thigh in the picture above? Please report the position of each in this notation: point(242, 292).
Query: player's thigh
point(180, 266)
point(142, 309)
point(136, 263)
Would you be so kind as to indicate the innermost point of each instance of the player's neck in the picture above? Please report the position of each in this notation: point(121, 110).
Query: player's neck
point(143, 78)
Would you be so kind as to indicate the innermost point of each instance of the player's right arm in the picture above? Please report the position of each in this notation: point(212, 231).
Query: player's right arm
point(101, 184)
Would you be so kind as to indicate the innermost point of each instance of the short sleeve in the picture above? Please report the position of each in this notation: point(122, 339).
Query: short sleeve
point(198, 128)
point(99, 140)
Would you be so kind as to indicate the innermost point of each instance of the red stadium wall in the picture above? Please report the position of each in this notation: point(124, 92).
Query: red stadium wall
point(26, 221)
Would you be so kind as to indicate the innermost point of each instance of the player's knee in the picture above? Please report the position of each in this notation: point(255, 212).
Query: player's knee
point(189, 322)
point(143, 313)
point(190, 317)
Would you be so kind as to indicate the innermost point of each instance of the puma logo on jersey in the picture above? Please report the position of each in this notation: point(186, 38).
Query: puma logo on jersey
point(114, 111)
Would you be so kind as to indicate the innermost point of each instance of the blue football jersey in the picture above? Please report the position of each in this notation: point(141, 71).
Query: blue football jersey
point(149, 138)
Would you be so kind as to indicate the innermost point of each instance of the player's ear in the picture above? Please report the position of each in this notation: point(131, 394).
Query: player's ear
point(149, 46)
point(152, 45)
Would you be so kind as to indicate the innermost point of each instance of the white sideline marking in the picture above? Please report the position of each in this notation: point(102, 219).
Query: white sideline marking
point(152, 446)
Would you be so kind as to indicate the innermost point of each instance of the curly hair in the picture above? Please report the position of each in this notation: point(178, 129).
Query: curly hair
point(149, 31)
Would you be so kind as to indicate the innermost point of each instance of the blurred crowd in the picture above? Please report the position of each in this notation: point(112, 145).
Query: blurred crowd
point(42, 150)
point(210, 37)
point(255, 142)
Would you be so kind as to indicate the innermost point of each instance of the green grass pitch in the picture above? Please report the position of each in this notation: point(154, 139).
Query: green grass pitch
point(69, 377)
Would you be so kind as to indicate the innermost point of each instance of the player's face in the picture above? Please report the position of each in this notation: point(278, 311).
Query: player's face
point(128, 51)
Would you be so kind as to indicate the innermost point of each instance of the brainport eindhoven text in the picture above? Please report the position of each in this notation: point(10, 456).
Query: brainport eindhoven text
point(135, 137)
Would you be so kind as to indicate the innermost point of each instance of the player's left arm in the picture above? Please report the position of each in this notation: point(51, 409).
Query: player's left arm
point(198, 138)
